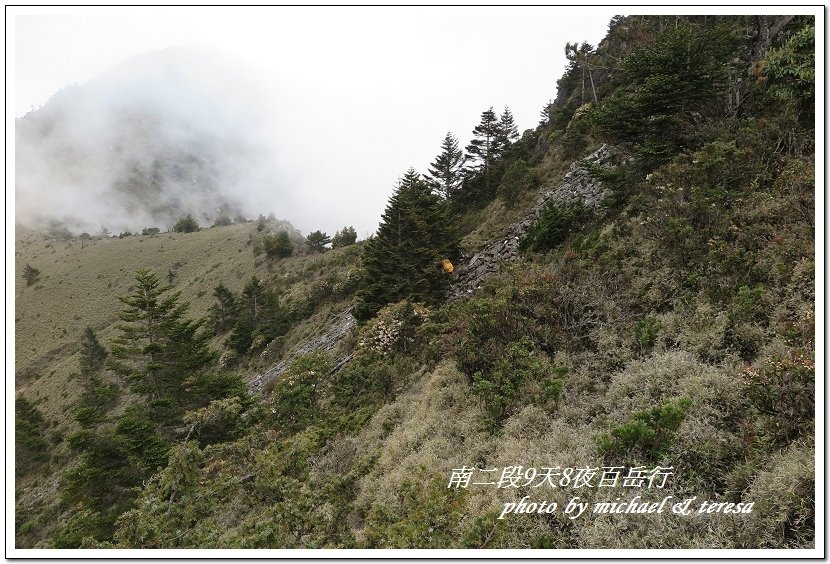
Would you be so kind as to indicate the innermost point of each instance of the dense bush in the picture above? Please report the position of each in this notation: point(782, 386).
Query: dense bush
point(499, 386)
point(554, 226)
point(518, 178)
point(422, 515)
point(645, 333)
point(782, 389)
point(186, 224)
point(789, 74)
point(293, 400)
point(222, 220)
point(278, 245)
point(648, 433)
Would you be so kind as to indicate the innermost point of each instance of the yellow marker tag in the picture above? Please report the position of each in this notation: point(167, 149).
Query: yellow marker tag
point(448, 267)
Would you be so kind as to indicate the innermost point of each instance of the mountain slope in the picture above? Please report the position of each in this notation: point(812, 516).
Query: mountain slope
point(651, 340)
point(160, 136)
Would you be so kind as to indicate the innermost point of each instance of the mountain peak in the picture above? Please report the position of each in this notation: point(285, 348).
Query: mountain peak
point(160, 135)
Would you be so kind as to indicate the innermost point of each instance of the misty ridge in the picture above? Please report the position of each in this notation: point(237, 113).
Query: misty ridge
point(162, 135)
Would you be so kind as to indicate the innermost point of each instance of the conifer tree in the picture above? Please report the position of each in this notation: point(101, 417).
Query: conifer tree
point(486, 145)
point(31, 274)
point(446, 173)
point(343, 238)
point(93, 354)
point(158, 350)
point(260, 317)
point(317, 241)
point(278, 245)
point(98, 396)
point(30, 444)
point(668, 85)
point(508, 130)
point(160, 354)
point(250, 305)
point(403, 260)
point(545, 114)
point(223, 312)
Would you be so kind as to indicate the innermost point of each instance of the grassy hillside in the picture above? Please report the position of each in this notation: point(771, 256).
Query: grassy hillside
point(79, 287)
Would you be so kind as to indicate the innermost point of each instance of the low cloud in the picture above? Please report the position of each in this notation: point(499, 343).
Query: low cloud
point(161, 135)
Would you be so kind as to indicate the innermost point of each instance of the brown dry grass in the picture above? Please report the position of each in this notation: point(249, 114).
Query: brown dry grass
point(80, 287)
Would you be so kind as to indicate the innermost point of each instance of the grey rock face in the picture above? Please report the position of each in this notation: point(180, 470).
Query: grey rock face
point(327, 341)
point(577, 185)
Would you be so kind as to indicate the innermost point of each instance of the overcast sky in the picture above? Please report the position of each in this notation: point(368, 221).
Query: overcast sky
point(358, 94)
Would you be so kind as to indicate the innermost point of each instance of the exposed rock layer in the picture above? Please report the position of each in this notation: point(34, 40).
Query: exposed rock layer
point(577, 185)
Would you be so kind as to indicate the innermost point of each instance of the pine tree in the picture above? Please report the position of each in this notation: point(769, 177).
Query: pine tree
point(403, 260)
point(578, 56)
point(30, 444)
point(223, 313)
point(113, 461)
point(261, 318)
point(278, 245)
point(545, 114)
point(343, 238)
point(508, 130)
point(250, 305)
point(486, 145)
point(93, 354)
point(317, 241)
point(31, 274)
point(98, 396)
point(158, 351)
point(446, 173)
point(668, 85)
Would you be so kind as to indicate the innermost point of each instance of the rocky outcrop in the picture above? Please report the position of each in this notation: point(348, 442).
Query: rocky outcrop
point(577, 185)
point(327, 341)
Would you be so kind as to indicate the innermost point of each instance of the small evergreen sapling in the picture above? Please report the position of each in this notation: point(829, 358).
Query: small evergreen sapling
point(31, 274)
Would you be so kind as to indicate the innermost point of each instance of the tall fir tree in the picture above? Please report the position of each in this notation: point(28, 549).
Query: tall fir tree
point(317, 240)
point(30, 444)
point(404, 259)
point(484, 143)
point(260, 318)
point(447, 172)
point(344, 237)
point(223, 313)
point(250, 306)
point(486, 146)
point(508, 130)
point(545, 114)
point(158, 350)
point(93, 354)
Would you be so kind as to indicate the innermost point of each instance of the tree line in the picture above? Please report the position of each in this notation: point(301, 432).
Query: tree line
point(418, 234)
